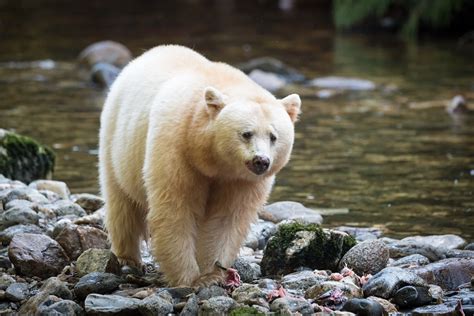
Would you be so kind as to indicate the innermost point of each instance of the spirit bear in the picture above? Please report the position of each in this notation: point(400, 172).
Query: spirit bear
point(189, 149)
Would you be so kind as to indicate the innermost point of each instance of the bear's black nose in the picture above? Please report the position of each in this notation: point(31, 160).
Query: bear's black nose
point(260, 164)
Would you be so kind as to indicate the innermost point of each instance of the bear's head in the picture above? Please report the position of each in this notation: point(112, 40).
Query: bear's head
point(251, 138)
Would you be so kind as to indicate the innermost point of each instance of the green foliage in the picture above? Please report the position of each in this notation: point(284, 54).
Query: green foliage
point(436, 13)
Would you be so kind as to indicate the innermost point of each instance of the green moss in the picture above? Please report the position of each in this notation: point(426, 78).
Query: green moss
point(22, 158)
point(324, 251)
point(241, 311)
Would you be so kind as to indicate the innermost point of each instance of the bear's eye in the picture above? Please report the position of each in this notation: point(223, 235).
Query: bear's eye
point(273, 138)
point(247, 135)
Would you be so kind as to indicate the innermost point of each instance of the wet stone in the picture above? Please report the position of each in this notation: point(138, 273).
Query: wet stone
point(385, 283)
point(206, 293)
point(66, 207)
point(97, 304)
point(402, 249)
point(109, 52)
point(58, 187)
point(97, 260)
point(7, 234)
point(96, 282)
point(218, 305)
point(363, 307)
point(52, 286)
point(19, 204)
point(437, 241)
point(89, 202)
point(247, 270)
point(343, 83)
point(458, 253)
point(411, 261)
point(448, 273)
point(250, 294)
point(17, 292)
point(77, 239)
point(387, 306)
point(292, 305)
point(37, 255)
point(412, 296)
point(25, 194)
point(361, 233)
point(155, 305)
point(18, 215)
point(64, 307)
point(301, 281)
point(349, 289)
point(440, 309)
point(368, 257)
point(259, 234)
point(192, 306)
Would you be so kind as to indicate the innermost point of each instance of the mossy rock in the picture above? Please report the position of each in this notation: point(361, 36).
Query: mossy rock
point(298, 245)
point(22, 158)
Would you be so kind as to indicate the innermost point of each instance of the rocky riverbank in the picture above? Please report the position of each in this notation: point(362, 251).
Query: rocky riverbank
point(55, 260)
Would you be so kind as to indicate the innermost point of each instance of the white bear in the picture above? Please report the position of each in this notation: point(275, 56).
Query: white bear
point(189, 149)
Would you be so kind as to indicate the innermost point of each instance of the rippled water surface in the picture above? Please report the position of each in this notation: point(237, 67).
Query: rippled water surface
point(393, 156)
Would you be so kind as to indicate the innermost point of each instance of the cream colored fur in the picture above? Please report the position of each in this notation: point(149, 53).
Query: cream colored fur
point(173, 163)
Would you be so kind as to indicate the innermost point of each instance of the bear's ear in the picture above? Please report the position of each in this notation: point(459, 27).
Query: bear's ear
point(215, 99)
point(292, 104)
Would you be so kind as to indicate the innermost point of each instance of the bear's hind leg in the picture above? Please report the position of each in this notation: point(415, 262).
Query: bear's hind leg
point(125, 223)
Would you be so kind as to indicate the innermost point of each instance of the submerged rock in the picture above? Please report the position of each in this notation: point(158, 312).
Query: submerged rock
point(342, 83)
point(37, 255)
point(296, 245)
point(272, 65)
point(22, 158)
point(368, 257)
point(108, 52)
point(267, 80)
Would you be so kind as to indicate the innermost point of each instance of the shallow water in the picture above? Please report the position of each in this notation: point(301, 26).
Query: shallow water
point(406, 170)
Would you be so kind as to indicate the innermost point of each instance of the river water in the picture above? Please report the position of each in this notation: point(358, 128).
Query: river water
point(392, 156)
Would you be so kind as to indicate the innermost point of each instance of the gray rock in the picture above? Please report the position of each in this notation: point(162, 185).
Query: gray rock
point(5, 262)
point(412, 260)
point(287, 210)
point(385, 283)
point(267, 285)
point(367, 257)
point(95, 219)
point(249, 294)
point(412, 296)
point(218, 305)
point(301, 281)
point(192, 307)
point(104, 74)
point(247, 270)
point(37, 255)
point(65, 307)
point(402, 249)
point(291, 305)
point(97, 304)
point(342, 83)
point(52, 286)
point(469, 246)
point(361, 233)
point(5, 281)
point(58, 187)
point(440, 309)
point(296, 245)
point(50, 195)
point(66, 207)
point(17, 292)
point(206, 293)
point(362, 306)
point(458, 253)
point(19, 204)
point(89, 202)
point(77, 239)
point(448, 273)
point(259, 234)
point(25, 194)
point(15, 216)
point(387, 306)
point(7, 234)
point(437, 241)
point(96, 282)
point(155, 305)
point(109, 52)
point(23, 158)
point(97, 260)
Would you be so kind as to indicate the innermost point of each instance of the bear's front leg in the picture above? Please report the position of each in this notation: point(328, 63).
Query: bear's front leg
point(231, 208)
point(175, 206)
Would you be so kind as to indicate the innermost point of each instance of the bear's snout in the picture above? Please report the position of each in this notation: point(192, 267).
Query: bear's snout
point(259, 164)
